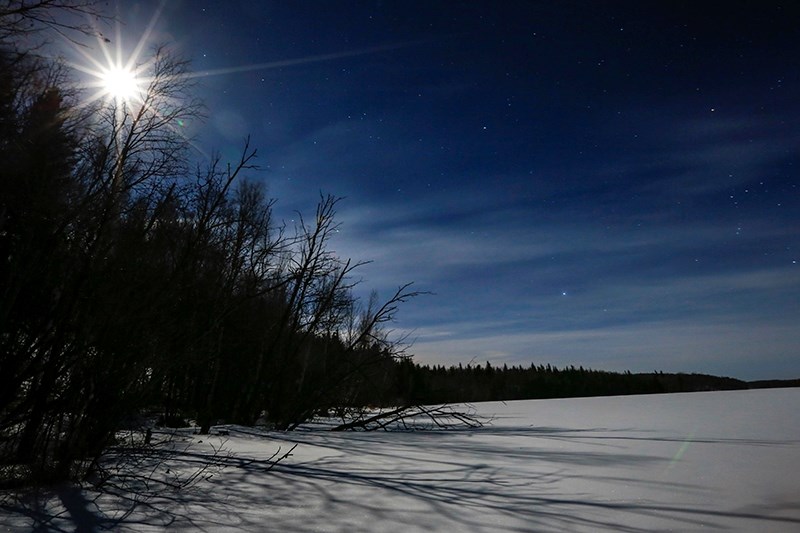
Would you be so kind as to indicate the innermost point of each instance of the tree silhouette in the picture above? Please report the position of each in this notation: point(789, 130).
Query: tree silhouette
point(131, 283)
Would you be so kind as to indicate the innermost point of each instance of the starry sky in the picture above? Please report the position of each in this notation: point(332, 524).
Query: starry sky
point(606, 184)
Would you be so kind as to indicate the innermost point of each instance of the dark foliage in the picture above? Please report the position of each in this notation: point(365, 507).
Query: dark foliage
point(130, 283)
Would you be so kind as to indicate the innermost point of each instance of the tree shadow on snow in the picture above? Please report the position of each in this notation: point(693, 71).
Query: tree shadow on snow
point(485, 479)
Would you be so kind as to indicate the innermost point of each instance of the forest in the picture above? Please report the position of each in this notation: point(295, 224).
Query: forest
point(136, 276)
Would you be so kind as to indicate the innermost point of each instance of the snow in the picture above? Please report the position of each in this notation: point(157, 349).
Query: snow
point(681, 462)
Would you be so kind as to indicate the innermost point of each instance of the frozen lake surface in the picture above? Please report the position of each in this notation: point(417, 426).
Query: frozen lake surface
point(726, 461)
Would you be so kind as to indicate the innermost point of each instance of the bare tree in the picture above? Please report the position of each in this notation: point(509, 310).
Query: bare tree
point(25, 18)
point(131, 282)
point(79, 180)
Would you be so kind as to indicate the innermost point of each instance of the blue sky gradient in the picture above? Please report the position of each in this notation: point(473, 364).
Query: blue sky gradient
point(606, 184)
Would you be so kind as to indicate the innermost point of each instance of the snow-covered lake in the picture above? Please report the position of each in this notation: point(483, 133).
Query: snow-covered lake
point(727, 461)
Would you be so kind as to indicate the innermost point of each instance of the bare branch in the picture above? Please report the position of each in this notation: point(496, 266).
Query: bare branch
point(406, 417)
point(68, 18)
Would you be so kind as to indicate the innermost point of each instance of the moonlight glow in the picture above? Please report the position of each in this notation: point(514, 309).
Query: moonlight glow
point(114, 80)
point(114, 74)
point(120, 83)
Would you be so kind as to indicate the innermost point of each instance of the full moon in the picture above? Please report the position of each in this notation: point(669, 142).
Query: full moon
point(120, 83)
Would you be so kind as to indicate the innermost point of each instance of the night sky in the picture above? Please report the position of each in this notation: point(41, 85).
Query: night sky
point(606, 184)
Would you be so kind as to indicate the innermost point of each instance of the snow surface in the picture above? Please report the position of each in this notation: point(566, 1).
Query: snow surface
point(723, 461)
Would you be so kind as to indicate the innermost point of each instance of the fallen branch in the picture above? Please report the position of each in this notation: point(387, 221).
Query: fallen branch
point(407, 418)
point(279, 459)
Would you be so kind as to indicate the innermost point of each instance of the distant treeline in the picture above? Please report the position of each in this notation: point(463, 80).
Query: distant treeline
point(773, 383)
point(477, 383)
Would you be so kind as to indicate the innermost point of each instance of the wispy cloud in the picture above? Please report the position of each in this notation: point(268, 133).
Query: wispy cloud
point(633, 259)
point(686, 156)
point(670, 346)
